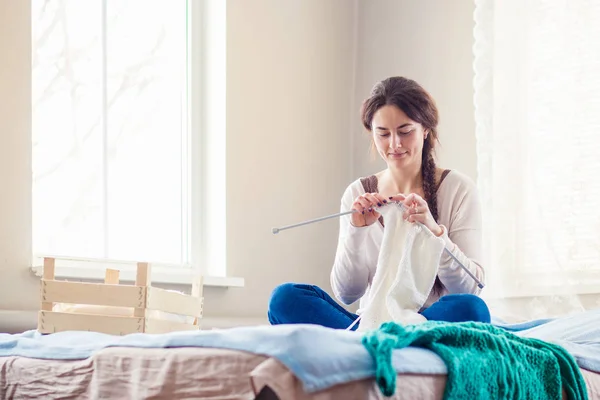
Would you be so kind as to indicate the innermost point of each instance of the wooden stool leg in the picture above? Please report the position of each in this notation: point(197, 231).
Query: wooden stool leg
point(49, 264)
point(142, 279)
point(46, 306)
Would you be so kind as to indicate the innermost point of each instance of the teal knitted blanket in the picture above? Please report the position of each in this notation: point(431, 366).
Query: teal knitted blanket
point(483, 361)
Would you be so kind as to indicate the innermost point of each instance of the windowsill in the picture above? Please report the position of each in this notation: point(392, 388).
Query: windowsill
point(160, 275)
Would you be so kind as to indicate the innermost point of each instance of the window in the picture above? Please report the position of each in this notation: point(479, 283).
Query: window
point(111, 131)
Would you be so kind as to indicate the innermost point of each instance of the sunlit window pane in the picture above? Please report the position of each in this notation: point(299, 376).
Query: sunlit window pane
point(109, 131)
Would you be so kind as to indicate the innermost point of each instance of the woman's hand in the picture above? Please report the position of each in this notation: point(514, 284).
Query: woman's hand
point(417, 210)
point(365, 205)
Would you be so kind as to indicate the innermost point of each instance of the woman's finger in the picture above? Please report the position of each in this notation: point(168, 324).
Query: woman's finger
point(358, 207)
point(365, 203)
point(408, 211)
point(417, 218)
point(381, 199)
point(417, 209)
point(414, 210)
point(375, 202)
point(359, 204)
point(414, 198)
point(408, 201)
point(399, 197)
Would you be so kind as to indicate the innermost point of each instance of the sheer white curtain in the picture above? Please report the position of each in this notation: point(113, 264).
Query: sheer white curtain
point(537, 102)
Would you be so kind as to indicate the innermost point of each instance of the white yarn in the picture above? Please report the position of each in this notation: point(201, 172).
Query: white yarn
point(406, 269)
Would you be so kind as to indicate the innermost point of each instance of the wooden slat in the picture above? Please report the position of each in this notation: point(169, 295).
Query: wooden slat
point(111, 276)
point(158, 326)
point(173, 302)
point(92, 293)
point(49, 264)
point(48, 275)
point(142, 279)
point(50, 322)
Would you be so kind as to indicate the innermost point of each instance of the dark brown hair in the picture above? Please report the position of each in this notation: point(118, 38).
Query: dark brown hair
point(419, 106)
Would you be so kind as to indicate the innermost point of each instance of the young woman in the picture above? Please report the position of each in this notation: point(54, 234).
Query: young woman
point(402, 120)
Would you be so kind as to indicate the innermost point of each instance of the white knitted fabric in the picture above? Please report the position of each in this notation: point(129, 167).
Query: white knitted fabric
point(406, 269)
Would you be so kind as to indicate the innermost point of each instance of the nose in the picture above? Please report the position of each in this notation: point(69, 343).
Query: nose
point(395, 142)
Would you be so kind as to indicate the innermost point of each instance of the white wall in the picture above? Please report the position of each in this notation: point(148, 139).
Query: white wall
point(289, 69)
point(431, 42)
point(17, 289)
point(293, 131)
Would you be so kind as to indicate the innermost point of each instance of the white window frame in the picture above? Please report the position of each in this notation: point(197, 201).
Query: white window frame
point(206, 121)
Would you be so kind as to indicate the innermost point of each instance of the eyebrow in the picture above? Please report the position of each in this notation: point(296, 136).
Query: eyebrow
point(400, 127)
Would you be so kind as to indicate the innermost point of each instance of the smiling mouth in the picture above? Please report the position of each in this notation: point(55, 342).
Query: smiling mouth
point(398, 155)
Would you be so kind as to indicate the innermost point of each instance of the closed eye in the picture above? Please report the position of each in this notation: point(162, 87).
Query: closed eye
point(402, 130)
point(382, 132)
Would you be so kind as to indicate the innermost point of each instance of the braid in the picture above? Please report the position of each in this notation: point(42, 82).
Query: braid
point(430, 190)
point(428, 173)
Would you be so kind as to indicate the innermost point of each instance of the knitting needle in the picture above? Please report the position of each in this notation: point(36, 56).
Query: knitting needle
point(277, 230)
point(341, 214)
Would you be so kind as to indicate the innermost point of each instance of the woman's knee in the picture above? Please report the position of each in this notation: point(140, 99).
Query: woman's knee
point(286, 301)
point(477, 308)
point(471, 306)
point(284, 295)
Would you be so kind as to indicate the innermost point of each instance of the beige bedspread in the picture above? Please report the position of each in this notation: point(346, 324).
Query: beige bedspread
point(191, 373)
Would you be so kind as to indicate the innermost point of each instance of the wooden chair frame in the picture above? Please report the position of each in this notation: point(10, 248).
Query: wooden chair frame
point(141, 296)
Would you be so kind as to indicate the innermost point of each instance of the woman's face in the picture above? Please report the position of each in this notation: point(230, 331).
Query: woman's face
point(398, 139)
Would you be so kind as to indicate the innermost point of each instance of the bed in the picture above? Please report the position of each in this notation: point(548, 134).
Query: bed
point(194, 373)
point(262, 363)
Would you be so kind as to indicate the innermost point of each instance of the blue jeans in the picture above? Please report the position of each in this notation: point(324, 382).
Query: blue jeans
point(293, 303)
